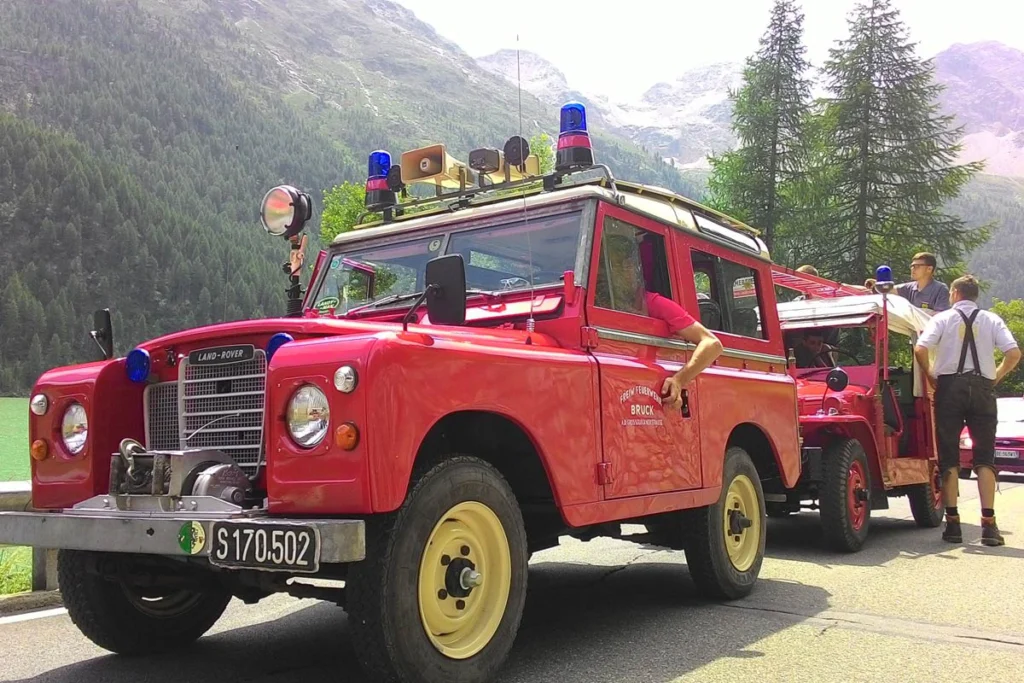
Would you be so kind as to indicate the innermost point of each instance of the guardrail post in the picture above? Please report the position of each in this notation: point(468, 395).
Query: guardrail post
point(16, 496)
point(44, 569)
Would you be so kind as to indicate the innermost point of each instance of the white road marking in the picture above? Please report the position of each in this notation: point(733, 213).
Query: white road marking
point(30, 616)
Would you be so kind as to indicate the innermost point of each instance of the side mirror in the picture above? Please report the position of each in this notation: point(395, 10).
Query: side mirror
point(446, 290)
point(103, 332)
point(837, 379)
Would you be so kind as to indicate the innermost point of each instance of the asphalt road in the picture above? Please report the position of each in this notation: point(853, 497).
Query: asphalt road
point(906, 608)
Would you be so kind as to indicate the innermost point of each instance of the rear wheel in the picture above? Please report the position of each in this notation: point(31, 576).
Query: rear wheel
point(965, 472)
point(130, 620)
point(926, 502)
point(725, 541)
point(846, 496)
point(440, 594)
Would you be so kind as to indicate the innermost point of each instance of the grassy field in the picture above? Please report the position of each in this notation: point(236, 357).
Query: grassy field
point(15, 563)
point(14, 439)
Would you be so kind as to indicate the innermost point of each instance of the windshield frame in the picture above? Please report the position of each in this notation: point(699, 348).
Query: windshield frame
point(586, 206)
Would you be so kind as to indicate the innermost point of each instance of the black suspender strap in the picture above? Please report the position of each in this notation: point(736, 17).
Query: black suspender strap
point(969, 343)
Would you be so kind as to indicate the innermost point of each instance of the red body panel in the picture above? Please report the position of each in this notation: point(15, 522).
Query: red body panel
point(63, 480)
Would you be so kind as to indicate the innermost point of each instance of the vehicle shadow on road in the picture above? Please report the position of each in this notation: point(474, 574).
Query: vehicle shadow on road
point(585, 623)
point(799, 537)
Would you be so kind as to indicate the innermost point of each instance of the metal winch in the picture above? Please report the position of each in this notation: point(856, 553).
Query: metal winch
point(177, 474)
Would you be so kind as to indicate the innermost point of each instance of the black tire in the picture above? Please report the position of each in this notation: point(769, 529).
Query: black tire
point(382, 591)
point(926, 503)
point(115, 618)
point(965, 472)
point(845, 523)
point(777, 512)
point(707, 553)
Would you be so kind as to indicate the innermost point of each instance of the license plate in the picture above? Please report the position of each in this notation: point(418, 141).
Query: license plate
point(1007, 455)
point(271, 547)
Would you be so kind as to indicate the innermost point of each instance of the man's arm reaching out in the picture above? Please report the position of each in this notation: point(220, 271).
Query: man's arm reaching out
point(709, 347)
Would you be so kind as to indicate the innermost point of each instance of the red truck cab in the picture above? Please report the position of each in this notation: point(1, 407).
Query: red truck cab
point(463, 386)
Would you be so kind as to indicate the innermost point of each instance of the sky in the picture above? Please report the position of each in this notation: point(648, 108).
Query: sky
point(622, 53)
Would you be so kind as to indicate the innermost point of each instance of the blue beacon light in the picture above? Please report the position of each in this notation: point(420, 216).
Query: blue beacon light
point(276, 342)
point(379, 195)
point(574, 149)
point(137, 365)
point(883, 279)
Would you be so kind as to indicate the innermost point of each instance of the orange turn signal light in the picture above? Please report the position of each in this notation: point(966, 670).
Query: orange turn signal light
point(346, 436)
point(39, 449)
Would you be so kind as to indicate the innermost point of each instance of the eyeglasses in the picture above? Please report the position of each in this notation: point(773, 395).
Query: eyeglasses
point(917, 265)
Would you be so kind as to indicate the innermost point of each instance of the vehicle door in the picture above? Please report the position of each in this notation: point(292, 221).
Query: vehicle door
point(647, 448)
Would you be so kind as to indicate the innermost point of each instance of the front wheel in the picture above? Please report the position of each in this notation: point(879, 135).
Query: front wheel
point(926, 502)
point(846, 496)
point(440, 594)
point(725, 541)
point(130, 620)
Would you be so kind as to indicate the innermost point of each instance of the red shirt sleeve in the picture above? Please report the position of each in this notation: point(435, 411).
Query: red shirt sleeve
point(669, 311)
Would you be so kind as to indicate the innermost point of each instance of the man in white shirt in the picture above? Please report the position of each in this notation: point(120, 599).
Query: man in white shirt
point(965, 339)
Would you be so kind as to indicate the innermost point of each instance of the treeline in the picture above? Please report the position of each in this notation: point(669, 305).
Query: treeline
point(138, 143)
point(860, 177)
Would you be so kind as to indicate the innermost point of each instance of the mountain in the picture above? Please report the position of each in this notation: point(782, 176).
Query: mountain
point(984, 88)
point(682, 121)
point(137, 138)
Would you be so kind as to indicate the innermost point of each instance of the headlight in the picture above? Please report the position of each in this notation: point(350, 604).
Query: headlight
point(309, 416)
point(74, 428)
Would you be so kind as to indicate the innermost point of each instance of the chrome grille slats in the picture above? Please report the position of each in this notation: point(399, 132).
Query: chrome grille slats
point(227, 399)
point(160, 403)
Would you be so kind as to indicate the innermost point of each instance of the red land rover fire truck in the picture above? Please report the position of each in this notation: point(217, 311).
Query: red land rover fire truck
point(460, 387)
point(867, 426)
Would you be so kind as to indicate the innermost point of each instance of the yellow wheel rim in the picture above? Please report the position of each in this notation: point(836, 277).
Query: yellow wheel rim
point(742, 523)
point(464, 580)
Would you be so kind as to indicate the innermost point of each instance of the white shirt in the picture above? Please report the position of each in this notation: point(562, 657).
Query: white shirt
point(945, 335)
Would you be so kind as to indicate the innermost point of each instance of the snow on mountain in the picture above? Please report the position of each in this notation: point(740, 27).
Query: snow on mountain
point(984, 88)
point(683, 120)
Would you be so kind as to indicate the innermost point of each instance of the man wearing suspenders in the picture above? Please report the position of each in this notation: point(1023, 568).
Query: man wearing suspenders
point(964, 339)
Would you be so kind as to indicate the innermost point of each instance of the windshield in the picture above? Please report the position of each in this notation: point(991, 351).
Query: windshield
point(501, 257)
point(1011, 410)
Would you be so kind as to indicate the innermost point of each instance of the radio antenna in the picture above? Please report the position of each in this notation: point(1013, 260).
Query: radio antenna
point(530, 322)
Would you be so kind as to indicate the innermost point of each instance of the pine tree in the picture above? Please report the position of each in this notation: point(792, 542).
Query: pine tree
point(768, 118)
point(891, 154)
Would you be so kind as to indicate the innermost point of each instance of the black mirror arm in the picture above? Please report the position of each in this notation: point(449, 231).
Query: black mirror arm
point(96, 338)
point(419, 302)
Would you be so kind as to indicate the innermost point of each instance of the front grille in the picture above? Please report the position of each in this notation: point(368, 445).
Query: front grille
point(161, 405)
point(211, 407)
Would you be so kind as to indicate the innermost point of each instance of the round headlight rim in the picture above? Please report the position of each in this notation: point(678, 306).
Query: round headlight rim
point(323, 432)
point(68, 449)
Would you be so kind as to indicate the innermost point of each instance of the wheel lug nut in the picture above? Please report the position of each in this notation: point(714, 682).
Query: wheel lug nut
point(445, 560)
point(460, 604)
point(464, 550)
point(442, 594)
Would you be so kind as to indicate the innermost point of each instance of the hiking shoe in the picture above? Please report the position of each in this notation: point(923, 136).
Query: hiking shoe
point(990, 533)
point(952, 533)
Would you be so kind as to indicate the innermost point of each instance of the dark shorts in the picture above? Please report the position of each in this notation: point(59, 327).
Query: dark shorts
point(965, 400)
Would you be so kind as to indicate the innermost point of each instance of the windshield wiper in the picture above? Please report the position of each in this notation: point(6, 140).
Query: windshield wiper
point(396, 298)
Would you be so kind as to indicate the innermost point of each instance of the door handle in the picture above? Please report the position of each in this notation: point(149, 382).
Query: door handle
point(686, 403)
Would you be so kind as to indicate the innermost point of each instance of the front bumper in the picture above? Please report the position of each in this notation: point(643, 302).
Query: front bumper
point(109, 524)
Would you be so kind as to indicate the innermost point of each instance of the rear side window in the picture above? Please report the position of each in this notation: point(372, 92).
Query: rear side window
point(728, 294)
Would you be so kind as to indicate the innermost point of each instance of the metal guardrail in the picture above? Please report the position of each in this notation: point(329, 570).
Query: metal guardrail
point(16, 496)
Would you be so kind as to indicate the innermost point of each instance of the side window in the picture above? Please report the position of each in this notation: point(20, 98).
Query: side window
point(728, 295)
point(632, 262)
